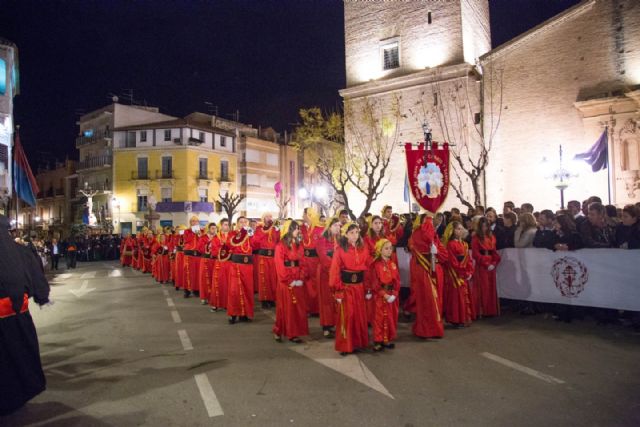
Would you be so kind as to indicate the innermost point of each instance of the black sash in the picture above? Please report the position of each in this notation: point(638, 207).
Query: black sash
point(292, 263)
point(330, 254)
point(266, 252)
point(352, 277)
point(241, 259)
point(310, 253)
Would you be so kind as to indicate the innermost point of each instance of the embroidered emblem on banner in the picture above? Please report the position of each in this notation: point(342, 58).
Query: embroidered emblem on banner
point(570, 276)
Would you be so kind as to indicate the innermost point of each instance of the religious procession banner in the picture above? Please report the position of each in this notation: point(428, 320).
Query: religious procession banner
point(428, 174)
point(606, 278)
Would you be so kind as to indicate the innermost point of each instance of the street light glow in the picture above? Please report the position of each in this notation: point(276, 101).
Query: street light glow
point(320, 191)
point(303, 193)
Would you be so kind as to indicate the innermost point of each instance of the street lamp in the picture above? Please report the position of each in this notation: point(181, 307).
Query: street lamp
point(561, 177)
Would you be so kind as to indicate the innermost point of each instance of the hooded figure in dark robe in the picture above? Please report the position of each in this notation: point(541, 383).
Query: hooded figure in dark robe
point(21, 278)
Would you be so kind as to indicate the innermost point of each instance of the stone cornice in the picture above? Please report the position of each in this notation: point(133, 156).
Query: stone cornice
point(421, 77)
point(628, 103)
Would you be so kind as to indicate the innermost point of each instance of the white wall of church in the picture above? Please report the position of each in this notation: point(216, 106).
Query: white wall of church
point(588, 51)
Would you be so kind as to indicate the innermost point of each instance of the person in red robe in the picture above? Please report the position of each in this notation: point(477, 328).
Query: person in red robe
point(164, 263)
point(179, 258)
point(155, 247)
point(191, 258)
point(147, 256)
point(264, 243)
point(350, 262)
point(325, 247)
point(240, 292)
point(291, 311)
point(311, 232)
point(393, 227)
point(221, 250)
point(385, 279)
point(374, 234)
point(126, 251)
point(459, 271)
point(428, 322)
point(207, 261)
point(483, 250)
point(135, 260)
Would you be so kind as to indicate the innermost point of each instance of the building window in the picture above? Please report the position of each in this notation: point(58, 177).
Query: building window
point(390, 56)
point(143, 136)
point(130, 141)
point(167, 167)
point(142, 203)
point(143, 170)
point(202, 169)
point(167, 134)
point(243, 180)
point(223, 141)
point(224, 170)
point(272, 160)
point(166, 194)
point(429, 20)
point(201, 137)
point(203, 193)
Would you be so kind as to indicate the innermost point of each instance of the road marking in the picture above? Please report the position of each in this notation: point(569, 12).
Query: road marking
point(176, 316)
point(350, 366)
point(208, 396)
point(165, 292)
point(88, 275)
point(83, 289)
point(57, 350)
point(59, 372)
point(184, 339)
point(115, 273)
point(170, 302)
point(521, 368)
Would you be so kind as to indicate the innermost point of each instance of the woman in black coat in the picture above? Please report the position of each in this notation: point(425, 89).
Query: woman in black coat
point(567, 237)
point(21, 278)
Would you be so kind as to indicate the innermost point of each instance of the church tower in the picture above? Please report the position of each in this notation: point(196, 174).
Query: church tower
point(416, 53)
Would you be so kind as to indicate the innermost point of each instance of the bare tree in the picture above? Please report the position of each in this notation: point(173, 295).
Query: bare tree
point(466, 130)
point(360, 163)
point(230, 202)
point(282, 202)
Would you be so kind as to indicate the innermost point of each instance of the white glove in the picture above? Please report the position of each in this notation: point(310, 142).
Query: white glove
point(165, 248)
point(181, 232)
point(390, 298)
point(491, 267)
point(299, 283)
point(469, 277)
point(434, 249)
point(294, 283)
point(195, 228)
point(368, 296)
point(339, 300)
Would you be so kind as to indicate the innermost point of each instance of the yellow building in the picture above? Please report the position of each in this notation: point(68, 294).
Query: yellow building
point(177, 167)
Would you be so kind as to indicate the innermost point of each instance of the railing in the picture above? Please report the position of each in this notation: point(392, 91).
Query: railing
point(204, 175)
point(51, 192)
point(165, 174)
point(97, 136)
point(225, 178)
point(95, 162)
point(139, 175)
point(158, 174)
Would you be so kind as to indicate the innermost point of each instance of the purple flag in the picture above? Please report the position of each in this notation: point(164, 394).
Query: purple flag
point(598, 155)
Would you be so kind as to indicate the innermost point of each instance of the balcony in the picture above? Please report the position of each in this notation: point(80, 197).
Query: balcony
point(157, 174)
point(96, 137)
point(204, 176)
point(96, 162)
point(225, 178)
point(188, 207)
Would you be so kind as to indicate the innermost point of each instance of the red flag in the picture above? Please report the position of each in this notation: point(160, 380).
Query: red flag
point(23, 179)
point(428, 174)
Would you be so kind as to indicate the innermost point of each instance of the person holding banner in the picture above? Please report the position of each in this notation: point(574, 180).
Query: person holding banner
point(350, 262)
point(428, 323)
point(483, 248)
point(459, 270)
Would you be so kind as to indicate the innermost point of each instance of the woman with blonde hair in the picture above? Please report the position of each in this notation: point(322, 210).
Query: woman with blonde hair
point(483, 248)
point(526, 231)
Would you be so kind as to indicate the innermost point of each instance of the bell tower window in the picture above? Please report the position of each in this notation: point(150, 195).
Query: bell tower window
point(390, 55)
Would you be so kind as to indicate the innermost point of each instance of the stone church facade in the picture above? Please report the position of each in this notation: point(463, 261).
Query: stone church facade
point(559, 83)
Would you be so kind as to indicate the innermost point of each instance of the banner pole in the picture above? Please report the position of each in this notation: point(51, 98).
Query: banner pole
point(609, 138)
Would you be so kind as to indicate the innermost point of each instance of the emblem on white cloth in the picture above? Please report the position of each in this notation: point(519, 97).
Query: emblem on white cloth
point(570, 276)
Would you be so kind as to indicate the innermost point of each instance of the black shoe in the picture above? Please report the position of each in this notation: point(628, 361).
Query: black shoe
point(344, 353)
point(378, 347)
point(296, 340)
point(265, 304)
point(187, 294)
point(390, 345)
point(213, 309)
point(277, 338)
point(232, 320)
point(328, 333)
point(244, 319)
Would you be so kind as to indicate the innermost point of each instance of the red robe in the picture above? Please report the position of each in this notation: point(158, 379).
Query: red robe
point(179, 278)
point(385, 281)
point(310, 265)
point(265, 241)
point(220, 248)
point(154, 247)
point(126, 251)
point(191, 262)
point(326, 302)
point(206, 266)
point(458, 302)
point(240, 292)
point(351, 325)
point(370, 241)
point(291, 310)
point(135, 260)
point(484, 293)
point(428, 323)
point(163, 261)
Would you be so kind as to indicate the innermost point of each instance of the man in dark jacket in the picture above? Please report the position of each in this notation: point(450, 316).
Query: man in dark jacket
point(596, 232)
point(545, 235)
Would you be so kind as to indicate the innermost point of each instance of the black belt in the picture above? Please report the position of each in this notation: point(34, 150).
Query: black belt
point(190, 253)
point(485, 252)
point(206, 256)
point(265, 252)
point(256, 251)
point(352, 277)
point(330, 254)
point(387, 287)
point(241, 259)
point(178, 248)
point(292, 263)
point(460, 258)
point(310, 253)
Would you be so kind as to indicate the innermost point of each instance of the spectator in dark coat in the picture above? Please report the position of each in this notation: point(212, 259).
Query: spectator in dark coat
point(505, 230)
point(628, 231)
point(596, 232)
point(545, 235)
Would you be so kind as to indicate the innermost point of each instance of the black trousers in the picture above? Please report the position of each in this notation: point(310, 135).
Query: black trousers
point(54, 261)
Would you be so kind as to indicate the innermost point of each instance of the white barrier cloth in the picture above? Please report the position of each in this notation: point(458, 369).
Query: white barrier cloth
point(608, 278)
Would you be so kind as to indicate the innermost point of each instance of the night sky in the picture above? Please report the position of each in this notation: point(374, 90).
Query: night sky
point(265, 58)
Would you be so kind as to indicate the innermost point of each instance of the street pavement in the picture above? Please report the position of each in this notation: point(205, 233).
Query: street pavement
point(119, 349)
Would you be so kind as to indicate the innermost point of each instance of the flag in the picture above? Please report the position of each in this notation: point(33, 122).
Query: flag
point(23, 180)
point(598, 155)
point(406, 188)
